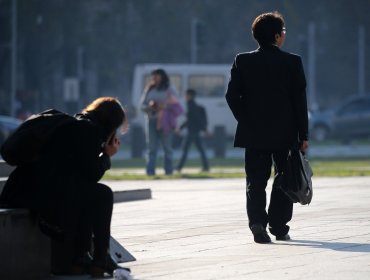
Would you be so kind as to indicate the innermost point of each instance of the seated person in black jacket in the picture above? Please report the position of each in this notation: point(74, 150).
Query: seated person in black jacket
point(61, 188)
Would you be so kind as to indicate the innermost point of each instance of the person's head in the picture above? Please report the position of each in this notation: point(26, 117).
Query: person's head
point(190, 94)
point(160, 79)
point(109, 113)
point(269, 29)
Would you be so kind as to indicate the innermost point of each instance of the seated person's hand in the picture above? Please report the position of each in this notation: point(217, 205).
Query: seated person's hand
point(112, 145)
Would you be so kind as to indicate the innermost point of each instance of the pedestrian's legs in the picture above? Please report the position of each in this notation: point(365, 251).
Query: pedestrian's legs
point(258, 170)
point(185, 150)
point(102, 207)
point(166, 139)
point(153, 143)
point(281, 208)
point(199, 145)
point(83, 237)
point(99, 202)
point(92, 216)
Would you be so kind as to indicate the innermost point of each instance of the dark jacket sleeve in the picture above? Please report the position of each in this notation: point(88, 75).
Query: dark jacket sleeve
point(233, 94)
point(77, 152)
point(89, 158)
point(300, 99)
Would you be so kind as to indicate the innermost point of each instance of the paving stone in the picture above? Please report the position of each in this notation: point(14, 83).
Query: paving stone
point(198, 229)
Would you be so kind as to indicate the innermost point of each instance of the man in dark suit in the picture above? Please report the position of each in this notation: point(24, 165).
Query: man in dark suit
point(267, 96)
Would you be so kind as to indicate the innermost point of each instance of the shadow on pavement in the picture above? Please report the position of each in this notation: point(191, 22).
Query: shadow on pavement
point(337, 246)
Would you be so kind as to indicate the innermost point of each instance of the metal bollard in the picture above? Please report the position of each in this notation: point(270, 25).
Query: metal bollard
point(219, 141)
point(137, 141)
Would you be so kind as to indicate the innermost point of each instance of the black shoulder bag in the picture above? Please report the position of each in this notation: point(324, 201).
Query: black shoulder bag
point(296, 181)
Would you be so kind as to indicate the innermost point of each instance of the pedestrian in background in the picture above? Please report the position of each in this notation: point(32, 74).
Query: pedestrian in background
point(267, 96)
point(161, 107)
point(196, 122)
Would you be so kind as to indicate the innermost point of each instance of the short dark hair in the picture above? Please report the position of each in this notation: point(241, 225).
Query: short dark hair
point(266, 26)
point(165, 80)
point(191, 92)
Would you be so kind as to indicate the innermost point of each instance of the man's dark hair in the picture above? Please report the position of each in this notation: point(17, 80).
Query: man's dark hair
point(165, 80)
point(266, 26)
point(191, 92)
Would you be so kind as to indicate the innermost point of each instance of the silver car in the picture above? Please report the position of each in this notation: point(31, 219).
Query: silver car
point(7, 126)
point(350, 120)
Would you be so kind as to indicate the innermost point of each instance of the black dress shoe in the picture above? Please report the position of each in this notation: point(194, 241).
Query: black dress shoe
point(104, 265)
point(260, 234)
point(79, 266)
point(285, 237)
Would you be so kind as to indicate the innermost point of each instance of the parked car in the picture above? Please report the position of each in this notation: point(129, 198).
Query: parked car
point(7, 126)
point(349, 120)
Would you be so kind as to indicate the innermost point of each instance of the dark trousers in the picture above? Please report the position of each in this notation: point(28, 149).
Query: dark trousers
point(94, 216)
point(258, 163)
point(190, 138)
point(91, 216)
point(155, 138)
point(81, 210)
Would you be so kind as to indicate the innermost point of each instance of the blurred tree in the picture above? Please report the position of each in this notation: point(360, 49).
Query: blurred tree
point(105, 39)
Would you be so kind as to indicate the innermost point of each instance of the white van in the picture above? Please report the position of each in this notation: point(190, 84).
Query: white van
point(209, 80)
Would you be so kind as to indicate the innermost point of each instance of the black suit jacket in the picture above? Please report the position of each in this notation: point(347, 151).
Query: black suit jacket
point(267, 95)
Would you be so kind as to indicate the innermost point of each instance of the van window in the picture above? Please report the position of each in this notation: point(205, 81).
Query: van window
point(207, 85)
point(175, 81)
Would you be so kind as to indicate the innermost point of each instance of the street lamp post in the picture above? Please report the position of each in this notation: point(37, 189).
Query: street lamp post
point(13, 81)
point(361, 60)
point(311, 55)
point(193, 41)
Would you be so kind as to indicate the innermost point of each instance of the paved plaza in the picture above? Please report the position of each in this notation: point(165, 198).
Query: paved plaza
point(197, 229)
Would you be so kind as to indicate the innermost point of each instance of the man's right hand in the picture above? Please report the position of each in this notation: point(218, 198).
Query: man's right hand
point(304, 146)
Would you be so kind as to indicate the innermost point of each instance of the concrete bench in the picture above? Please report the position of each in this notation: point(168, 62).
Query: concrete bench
point(5, 170)
point(26, 253)
point(119, 196)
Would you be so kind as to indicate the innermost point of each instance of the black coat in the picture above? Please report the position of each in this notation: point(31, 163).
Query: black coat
point(267, 95)
point(60, 181)
point(194, 118)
